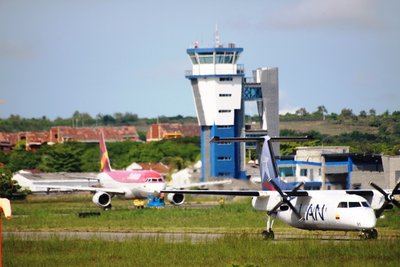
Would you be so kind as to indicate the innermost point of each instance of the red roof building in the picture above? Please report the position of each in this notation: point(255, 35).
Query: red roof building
point(63, 134)
point(91, 135)
point(161, 131)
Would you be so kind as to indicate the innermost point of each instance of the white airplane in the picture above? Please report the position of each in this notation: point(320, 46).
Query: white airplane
point(342, 210)
point(128, 184)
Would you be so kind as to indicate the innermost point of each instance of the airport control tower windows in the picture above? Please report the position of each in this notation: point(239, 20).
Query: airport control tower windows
point(224, 57)
point(193, 58)
point(206, 58)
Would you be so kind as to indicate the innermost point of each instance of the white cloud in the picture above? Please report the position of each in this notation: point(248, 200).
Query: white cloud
point(308, 14)
point(284, 103)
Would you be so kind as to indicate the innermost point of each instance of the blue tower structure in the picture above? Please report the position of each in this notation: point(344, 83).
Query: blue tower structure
point(217, 82)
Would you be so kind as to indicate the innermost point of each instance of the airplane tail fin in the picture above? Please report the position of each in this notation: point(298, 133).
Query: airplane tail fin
point(268, 168)
point(104, 160)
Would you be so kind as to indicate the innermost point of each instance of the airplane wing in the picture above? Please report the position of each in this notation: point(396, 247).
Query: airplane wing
point(218, 192)
point(182, 186)
point(250, 193)
point(83, 188)
point(360, 192)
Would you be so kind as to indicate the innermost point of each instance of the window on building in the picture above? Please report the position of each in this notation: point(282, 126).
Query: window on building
point(193, 58)
point(303, 172)
point(206, 58)
point(224, 57)
point(287, 171)
point(225, 79)
point(225, 95)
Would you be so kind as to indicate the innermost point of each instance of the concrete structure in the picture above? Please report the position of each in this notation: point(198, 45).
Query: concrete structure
point(219, 91)
point(335, 168)
point(391, 166)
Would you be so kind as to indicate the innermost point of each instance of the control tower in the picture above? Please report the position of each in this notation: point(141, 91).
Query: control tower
point(216, 80)
point(219, 91)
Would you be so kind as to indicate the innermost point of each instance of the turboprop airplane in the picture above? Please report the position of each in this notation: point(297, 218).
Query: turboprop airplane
point(128, 184)
point(342, 210)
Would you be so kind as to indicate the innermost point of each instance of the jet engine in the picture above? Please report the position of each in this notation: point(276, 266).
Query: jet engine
point(176, 199)
point(102, 199)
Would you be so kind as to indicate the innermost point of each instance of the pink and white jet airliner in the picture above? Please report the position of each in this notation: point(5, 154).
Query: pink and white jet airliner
point(128, 184)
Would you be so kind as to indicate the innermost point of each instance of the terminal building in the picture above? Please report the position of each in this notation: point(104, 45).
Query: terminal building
point(220, 90)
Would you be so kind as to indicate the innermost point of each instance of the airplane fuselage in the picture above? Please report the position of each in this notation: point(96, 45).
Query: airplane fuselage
point(135, 184)
point(322, 211)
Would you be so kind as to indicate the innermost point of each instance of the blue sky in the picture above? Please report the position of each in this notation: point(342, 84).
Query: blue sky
point(102, 57)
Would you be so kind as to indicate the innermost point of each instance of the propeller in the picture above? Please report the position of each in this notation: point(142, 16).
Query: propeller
point(285, 199)
point(389, 197)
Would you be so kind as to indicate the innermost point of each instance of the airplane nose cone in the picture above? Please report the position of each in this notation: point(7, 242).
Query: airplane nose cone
point(368, 221)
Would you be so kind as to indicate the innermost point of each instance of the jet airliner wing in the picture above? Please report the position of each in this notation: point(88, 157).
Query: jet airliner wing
point(182, 186)
point(84, 188)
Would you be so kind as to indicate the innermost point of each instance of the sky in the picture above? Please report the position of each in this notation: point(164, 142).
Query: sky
point(103, 57)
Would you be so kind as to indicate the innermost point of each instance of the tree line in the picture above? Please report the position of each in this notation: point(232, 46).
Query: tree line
point(178, 153)
point(84, 157)
point(15, 123)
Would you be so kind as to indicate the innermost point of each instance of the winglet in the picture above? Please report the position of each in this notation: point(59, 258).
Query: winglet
point(104, 160)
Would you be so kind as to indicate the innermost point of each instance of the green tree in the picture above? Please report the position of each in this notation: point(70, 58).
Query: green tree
point(62, 158)
point(321, 111)
point(8, 187)
point(346, 113)
point(302, 112)
point(372, 112)
point(23, 160)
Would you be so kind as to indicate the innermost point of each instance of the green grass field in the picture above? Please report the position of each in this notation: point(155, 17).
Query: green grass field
point(241, 246)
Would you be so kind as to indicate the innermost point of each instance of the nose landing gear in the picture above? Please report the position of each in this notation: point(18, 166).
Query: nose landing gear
point(369, 234)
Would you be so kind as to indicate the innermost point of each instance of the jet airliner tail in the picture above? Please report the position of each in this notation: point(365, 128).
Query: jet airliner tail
point(104, 160)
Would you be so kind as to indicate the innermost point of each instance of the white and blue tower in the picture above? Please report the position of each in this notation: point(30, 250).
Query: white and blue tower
point(217, 82)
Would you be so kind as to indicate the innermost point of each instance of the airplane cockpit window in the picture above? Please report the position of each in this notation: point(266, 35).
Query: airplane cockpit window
point(154, 180)
point(354, 204)
point(365, 204)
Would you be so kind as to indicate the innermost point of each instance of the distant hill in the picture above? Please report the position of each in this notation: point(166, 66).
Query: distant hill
point(327, 127)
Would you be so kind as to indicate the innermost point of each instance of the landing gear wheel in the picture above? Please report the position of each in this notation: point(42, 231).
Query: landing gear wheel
point(268, 234)
point(108, 207)
point(369, 234)
point(374, 234)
